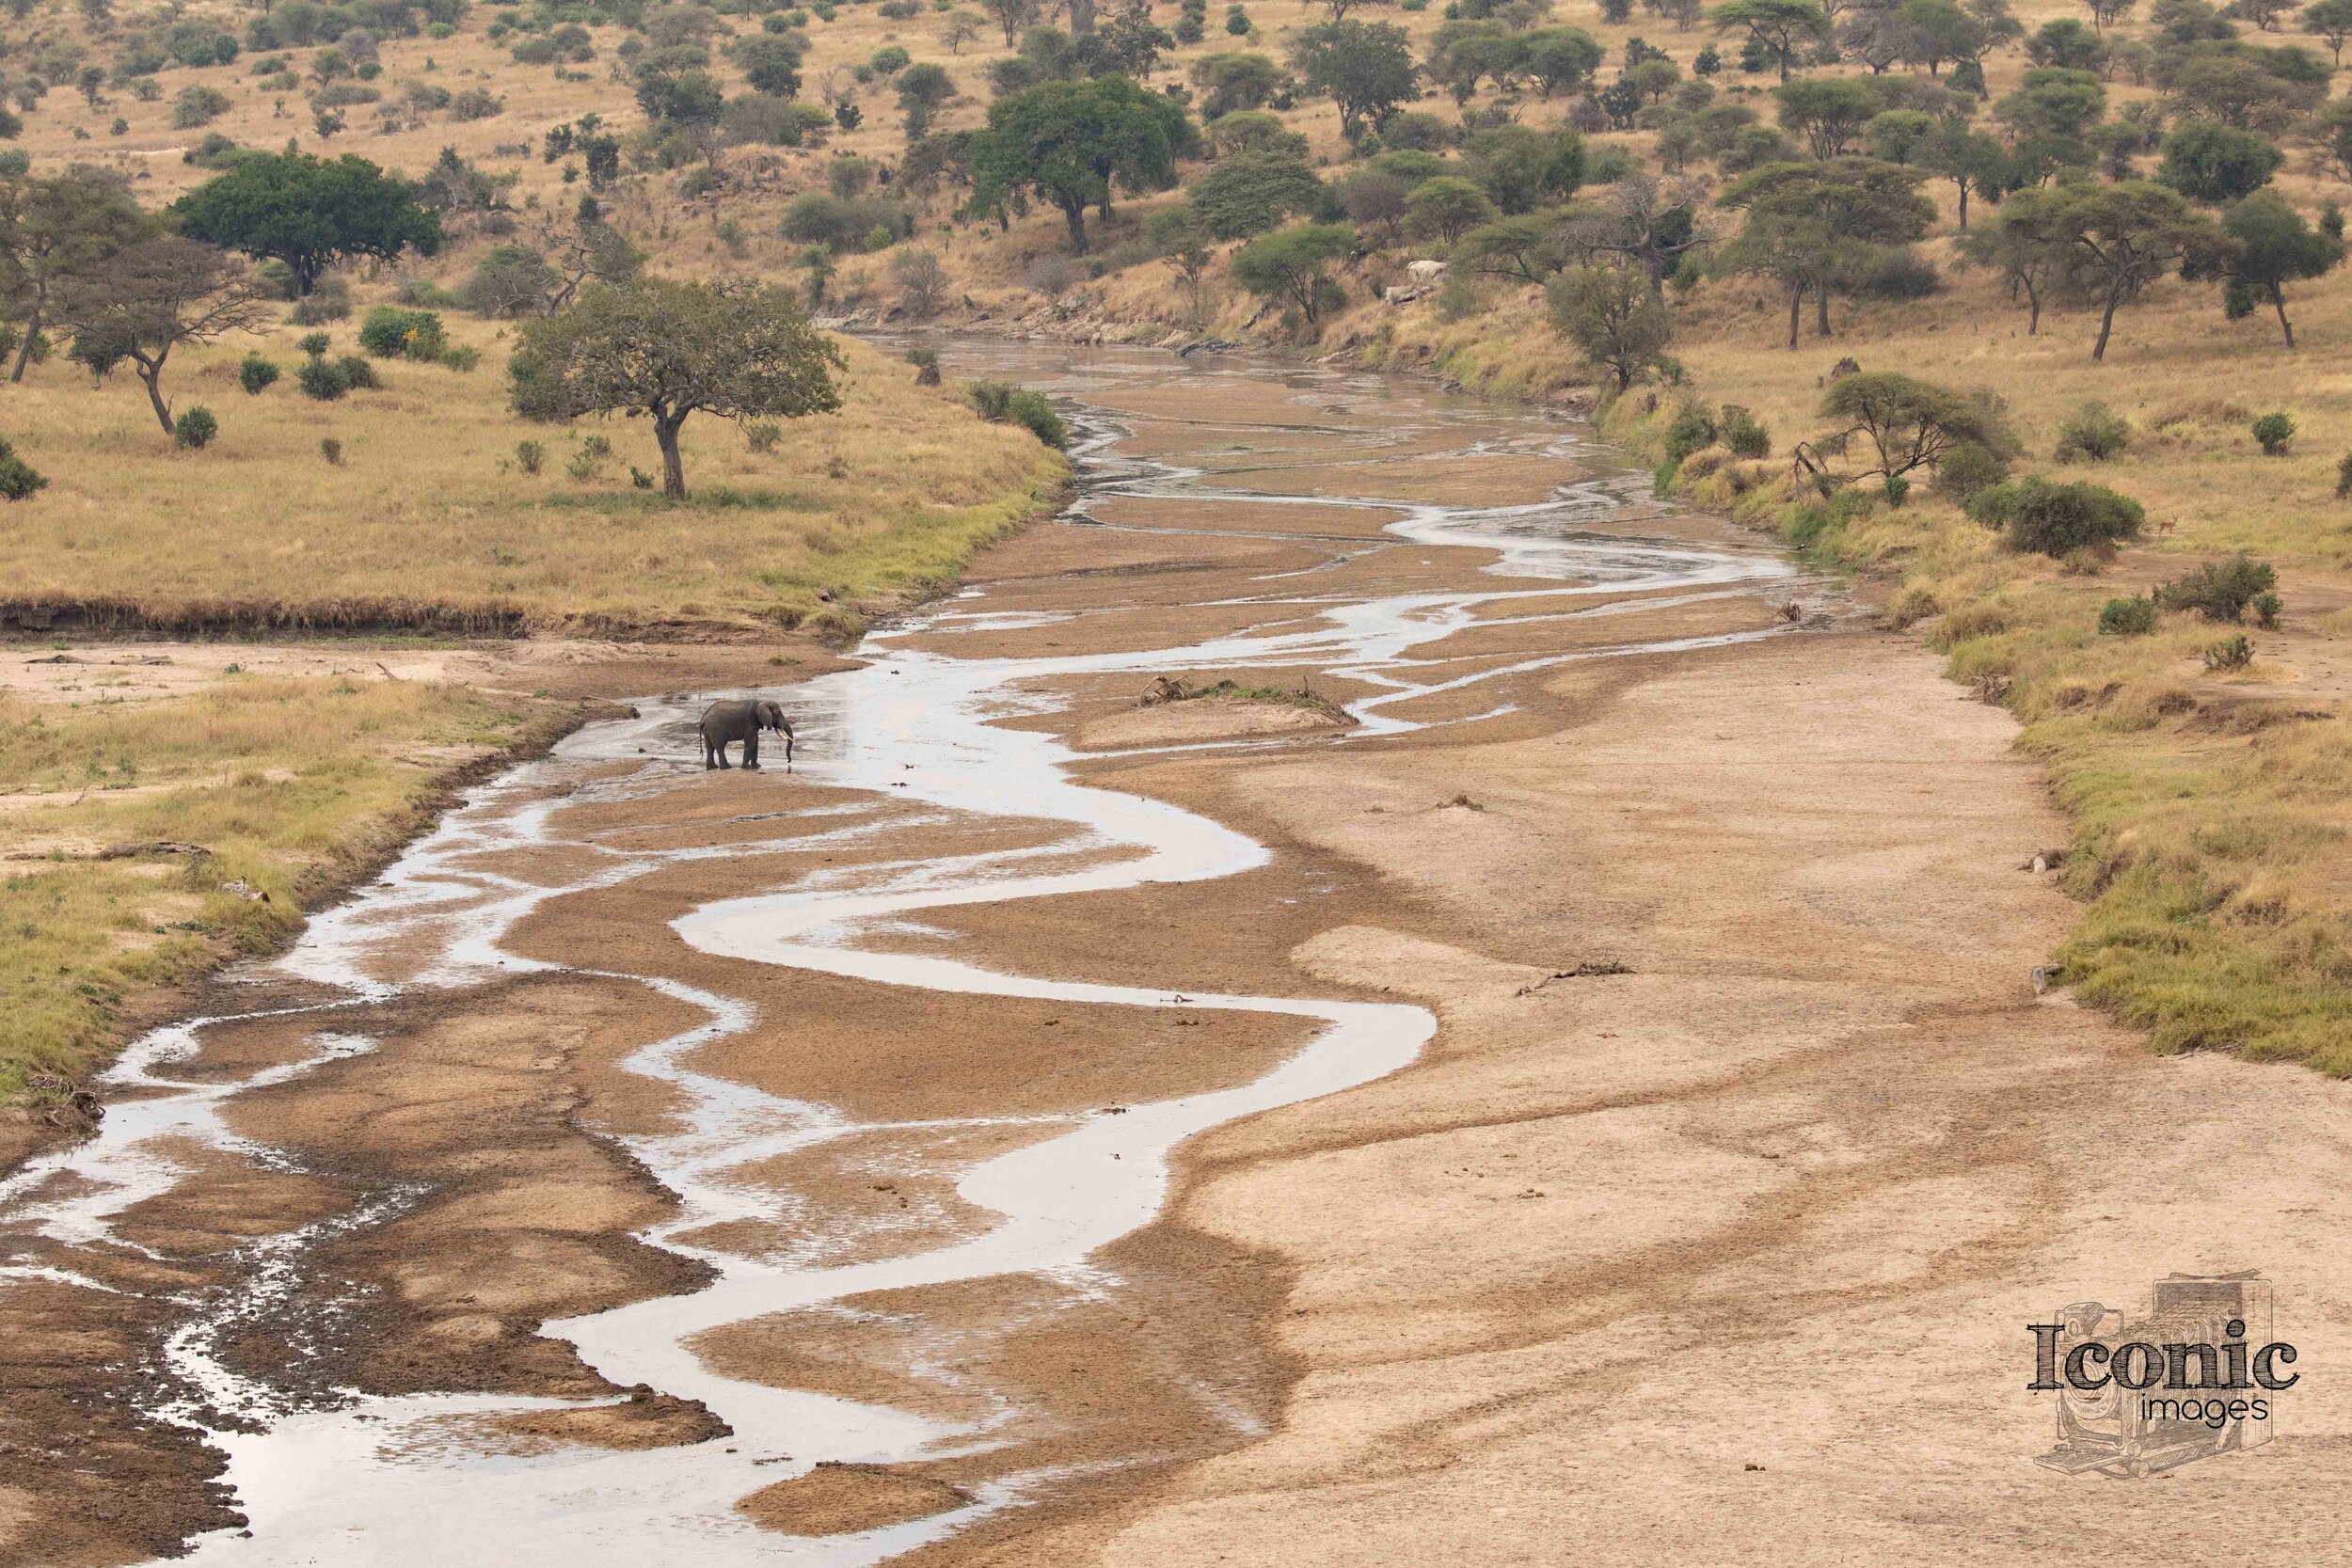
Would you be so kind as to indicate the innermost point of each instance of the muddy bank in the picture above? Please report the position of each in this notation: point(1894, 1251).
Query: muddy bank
point(775, 1158)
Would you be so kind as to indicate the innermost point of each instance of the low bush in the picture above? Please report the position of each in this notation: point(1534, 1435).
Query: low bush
point(1740, 431)
point(1967, 469)
point(2231, 653)
point(323, 379)
point(330, 300)
point(257, 374)
point(2131, 617)
point(531, 456)
point(2035, 515)
point(2221, 590)
point(389, 332)
point(1691, 428)
point(2092, 433)
point(2275, 431)
point(194, 430)
point(1001, 402)
point(17, 479)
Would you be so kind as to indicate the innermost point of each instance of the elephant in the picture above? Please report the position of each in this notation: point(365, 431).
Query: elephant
point(724, 724)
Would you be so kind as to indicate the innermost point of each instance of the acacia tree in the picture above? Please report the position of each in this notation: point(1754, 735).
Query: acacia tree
point(665, 349)
point(1288, 263)
point(1969, 159)
point(149, 298)
point(1857, 202)
point(2023, 243)
point(2104, 11)
point(1011, 15)
point(1608, 314)
point(1366, 68)
point(1070, 141)
point(2332, 21)
point(2122, 237)
point(1829, 111)
point(2272, 247)
point(1781, 26)
point(1910, 424)
point(307, 212)
point(55, 230)
point(1178, 232)
point(1653, 223)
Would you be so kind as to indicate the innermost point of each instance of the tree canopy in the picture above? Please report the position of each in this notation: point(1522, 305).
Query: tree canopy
point(1910, 424)
point(1068, 142)
point(1366, 68)
point(1289, 264)
point(149, 298)
point(1252, 192)
point(309, 213)
point(665, 349)
point(56, 228)
point(1781, 26)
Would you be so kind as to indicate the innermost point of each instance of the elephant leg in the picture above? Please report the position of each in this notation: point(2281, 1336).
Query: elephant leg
point(751, 750)
point(711, 755)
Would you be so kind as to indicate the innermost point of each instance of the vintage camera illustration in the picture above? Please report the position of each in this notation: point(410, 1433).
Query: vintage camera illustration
point(2180, 1385)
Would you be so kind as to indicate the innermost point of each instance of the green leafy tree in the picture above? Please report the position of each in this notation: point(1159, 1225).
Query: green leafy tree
point(149, 298)
point(1241, 80)
point(1971, 160)
point(1610, 315)
point(2271, 245)
point(1445, 208)
point(1178, 232)
point(1522, 168)
point(2122, 237)
point(1563, 59)
point(1650, 222)
point(1912, 423)
point(2209, 162)
point(2027, 244)
point(308, 211)
point(1289, 265)
point(2331, 19)
point(56, 228)
point(1828, 111)
point(922, 88)
point(665, 349)
point(1784, 29)
point(770, 62)
point(2254, 89)
point(1069, 142)
point(1365, 68)
point(1252, 192)
point(1900, 136)
point(1528, 248)
point(2104, 11)
point(1798, 254)
point(1859, 204)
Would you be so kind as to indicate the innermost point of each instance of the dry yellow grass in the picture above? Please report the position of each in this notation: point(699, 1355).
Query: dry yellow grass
point(431, 519)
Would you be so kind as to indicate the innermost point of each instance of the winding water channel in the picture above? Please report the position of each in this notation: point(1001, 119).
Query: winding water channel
point(376, 1479)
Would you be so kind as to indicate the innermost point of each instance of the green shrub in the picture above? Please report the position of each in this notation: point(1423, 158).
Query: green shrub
point(323, 379)
point(17, 479)
point(332, 450)
point(330, 300)
point(1004, 404)
point(2273, 430)
point(761, 436)
point(2092, 433)
point(194, 430)
point(315, 344)
point(2344, 477)
point(1740, 431)
point(1967, 469)
point(2267, 608)
point(358, 373)
point(531, 456)
point(389, 332)
point(1692, 428)
point(2221, 591)
point(1896, 486)
point(2131, 617)
point(257, 374)
point(2056, 519)
point(2231, 653)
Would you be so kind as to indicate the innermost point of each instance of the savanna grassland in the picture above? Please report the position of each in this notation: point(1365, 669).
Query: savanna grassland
point(2210, 801)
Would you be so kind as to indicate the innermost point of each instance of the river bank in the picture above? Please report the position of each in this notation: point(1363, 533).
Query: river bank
point(1717, 911)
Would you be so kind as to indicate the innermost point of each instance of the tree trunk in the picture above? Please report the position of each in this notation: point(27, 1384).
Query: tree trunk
point(1081, 17)
point(665, 428)
point(32, 330)
point(1796, 313)
point(2106, 325)
point(154, 376)
point(1963, 205)
point(2033, 301)
point(1820, 321)
point(1075, 212)
point(2279, 303)
point(305, 275)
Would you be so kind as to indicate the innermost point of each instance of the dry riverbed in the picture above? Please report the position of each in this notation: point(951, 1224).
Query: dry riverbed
point(1706, 1227)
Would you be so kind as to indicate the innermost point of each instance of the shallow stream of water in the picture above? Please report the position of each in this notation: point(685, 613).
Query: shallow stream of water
point(397, 1480)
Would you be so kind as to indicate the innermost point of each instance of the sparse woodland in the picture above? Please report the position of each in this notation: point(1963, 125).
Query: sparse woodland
point(2034, 310)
